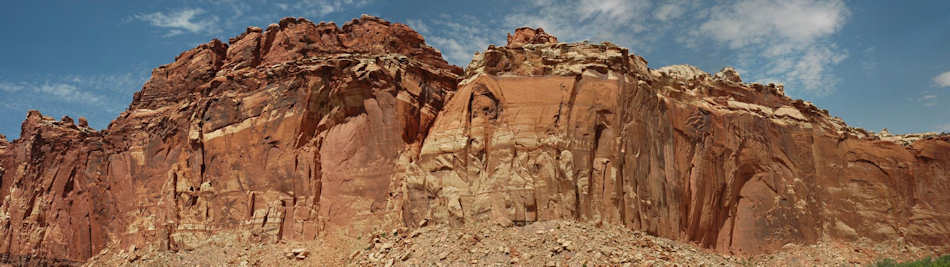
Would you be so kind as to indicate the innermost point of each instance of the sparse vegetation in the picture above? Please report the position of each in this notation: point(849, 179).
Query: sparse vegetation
point(925, 262)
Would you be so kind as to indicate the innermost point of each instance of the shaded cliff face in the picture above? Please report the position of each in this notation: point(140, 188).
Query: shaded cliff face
point(542, 131)
point(286, 132)
point(305, 129)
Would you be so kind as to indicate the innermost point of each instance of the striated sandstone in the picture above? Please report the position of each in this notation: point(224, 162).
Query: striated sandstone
point(293, 135)
point(588, 132)
point(302, 130)
point(524, 36)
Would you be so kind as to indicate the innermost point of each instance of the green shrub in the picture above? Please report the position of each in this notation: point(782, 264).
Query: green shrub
point(943, 261)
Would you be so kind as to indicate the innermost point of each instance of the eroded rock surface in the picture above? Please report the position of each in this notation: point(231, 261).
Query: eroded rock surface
point(525, 35)
point(286, 132)
point(303, 129)
point(588, 132)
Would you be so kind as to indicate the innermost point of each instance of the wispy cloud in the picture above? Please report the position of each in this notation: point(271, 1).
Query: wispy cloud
point(927, 98)
point(110, 92)
point(597, 20)
point(794, 46)
point(455, 52)
point(751, 22)
point(10, 87)
point(64, 92)
point(942, 80)
point(217, 16)
point(318, 8)
point(669, 11)
point(67, 93)
point(179, 22)
point(122, 83)
point(418, 25)
point(459, 37)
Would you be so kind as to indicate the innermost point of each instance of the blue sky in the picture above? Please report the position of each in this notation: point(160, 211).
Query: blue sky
point(876, 64)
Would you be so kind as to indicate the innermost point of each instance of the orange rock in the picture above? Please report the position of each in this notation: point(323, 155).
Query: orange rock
point(300, 129)
point(591, 133)
point(286, 133)
point(525, 35)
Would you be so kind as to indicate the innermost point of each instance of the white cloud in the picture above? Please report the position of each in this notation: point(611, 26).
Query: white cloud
point(458, 37)
point(791, 39)
point(598, 20)
point(179, 22)
point(319, 8)
point(810, 67)
point(668, 11)
point(610, 9)
point(942, 80)
point(124, 83)
point(418, 25)
point(770, 21)
point(928, 99)
point(228, 16)
point(10, 87)
point(453, 51)
point(68, 93)
point(110, 92)
point(788, 41)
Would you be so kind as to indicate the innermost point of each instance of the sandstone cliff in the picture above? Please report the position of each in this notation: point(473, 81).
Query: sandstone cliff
point(588, 132)
point(304, 129)
point(287, 132)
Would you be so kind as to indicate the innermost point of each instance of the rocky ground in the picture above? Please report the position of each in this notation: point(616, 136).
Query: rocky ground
point(234, 248)
point(550, 243)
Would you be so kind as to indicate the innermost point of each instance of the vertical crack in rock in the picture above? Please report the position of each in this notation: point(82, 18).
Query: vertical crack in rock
point(667, 141)
point(365, 125)
point(620, 124)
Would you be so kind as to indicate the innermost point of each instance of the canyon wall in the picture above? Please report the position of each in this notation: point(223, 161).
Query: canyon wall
point(286, 132)
point(302, 129)
point(545, 130)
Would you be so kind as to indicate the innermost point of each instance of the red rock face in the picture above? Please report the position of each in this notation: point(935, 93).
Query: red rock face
point(527, 35)
point(48, 193)
point(588, 132)
point(303, 129)
point(285, 133)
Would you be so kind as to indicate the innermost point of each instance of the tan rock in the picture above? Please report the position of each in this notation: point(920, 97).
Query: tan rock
point(534, 135)
point(525, 35)
point(728, 74)
point(684, 72)
point(303, 129)
point(217, 141)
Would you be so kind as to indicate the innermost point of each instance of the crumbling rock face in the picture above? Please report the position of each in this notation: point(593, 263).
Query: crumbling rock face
point(286, 133)
point(302, 129)
point(588, 132)
point(43, 203)
point(730, 74)
point(525, 35)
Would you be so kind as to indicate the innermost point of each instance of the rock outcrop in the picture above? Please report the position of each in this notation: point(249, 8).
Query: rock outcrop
point(588, 132)
point(525, 35)
point(303, 129)
point(287, 133)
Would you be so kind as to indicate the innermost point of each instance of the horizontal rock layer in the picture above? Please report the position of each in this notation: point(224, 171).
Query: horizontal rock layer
point(285, 142)
point(588, 132)
point(303, 129)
